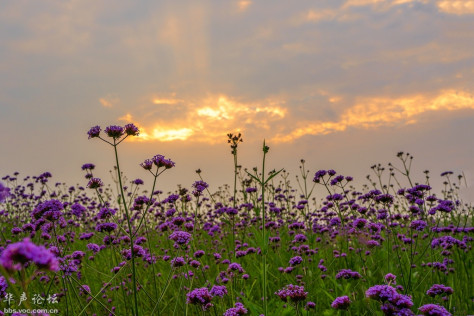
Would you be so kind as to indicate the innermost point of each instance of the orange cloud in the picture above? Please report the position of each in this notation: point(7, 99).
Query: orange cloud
point(375, 112)
point(214, 117)
point(109, 101)
point(167, 99)
point(243, 5)
point(456, 7)
point(316, 16)
point(386, 4)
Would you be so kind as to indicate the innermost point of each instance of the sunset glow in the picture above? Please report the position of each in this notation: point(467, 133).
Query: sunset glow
point(220, 114)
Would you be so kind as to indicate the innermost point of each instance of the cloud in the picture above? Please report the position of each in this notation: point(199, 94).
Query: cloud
point(109, 101)
point(169, 98)
point(243, 5)
point(456, 7)
point(208, 119)
point(381, 4)
point(318, 15)
point(370, 113)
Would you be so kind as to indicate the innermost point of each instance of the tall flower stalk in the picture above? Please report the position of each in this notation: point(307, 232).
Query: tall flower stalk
point(234, 141)
point(263, 182)
point(118, 135)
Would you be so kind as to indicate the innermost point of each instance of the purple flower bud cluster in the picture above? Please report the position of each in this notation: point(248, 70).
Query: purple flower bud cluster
point(341, 302)
point(199, 187)
point(161, 161)
point(445, 206)
point(238, 310)
point(418, 225)
point(17, 255)
point(218, 290)
point(106, 227)
point(4, 192)
point(389, 277)
point(95, 183)
point(439, 289)
point(296, 260)
point(200, 296)
point(180, 237)
point(434, 310)
point(293, 292)
point(178, 262)
point(3, 286)
point(77, 209)
point(88, 166)
point(49, 210)
point(348, 274)
point(106, 212)
point(447, 242)
point(131, 130)
point(114, 131)
point(393, 302)
point(94, 132)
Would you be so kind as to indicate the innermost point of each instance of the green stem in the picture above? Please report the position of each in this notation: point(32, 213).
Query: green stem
point(130, 232)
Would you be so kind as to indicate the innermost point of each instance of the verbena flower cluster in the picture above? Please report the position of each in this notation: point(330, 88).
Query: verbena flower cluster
point(17, 256)
point(324, 247)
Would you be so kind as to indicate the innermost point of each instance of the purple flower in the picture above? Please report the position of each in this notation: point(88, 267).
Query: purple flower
point(93, 247)
point(348, 274)
point(218, 290)
point(106, 227)
point(114, 131)
point(161, 161)
point(16, 255)
point(438, 289)
point(180, 237)
point(389, 277)
point(342, 302)
point(147, 164)
point(94, 132)
point(77, 209)
point(95, 183)
point(201, 297)
point(294, 292)
point(199, 253)
point(84, 289)
point(50, 210)
point(318, 175)
point(299, 238)
point(88, 166)
point(360, 223)
point(418, 225)
point(337, 179)
point(138, 182)
point(296, 260)
point(199, 187)
point(239, 309)
point(106, 212)
point(131, 130)
point(434, 310)
point(4, 192)
point(3, 286)
point(178, 262)
point(381, 292)
point(235, 267)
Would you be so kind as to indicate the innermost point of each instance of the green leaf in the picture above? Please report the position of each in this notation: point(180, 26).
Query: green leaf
point(273, 175)
point(254, 177)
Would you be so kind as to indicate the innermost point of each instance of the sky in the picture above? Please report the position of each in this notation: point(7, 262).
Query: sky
point(343, 84)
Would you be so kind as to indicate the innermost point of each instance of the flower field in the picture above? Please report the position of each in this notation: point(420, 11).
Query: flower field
point(263, 245)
